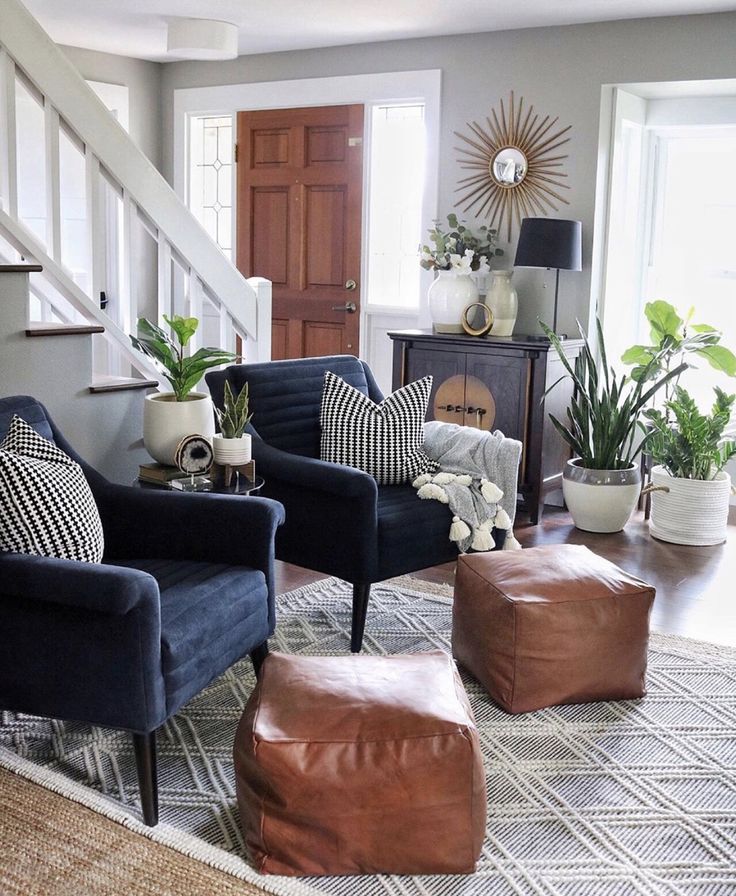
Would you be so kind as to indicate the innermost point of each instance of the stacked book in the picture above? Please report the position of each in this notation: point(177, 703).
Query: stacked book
point(159, 474)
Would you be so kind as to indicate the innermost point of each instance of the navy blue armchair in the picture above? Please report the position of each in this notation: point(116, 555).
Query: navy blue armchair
point(186, 588)
point(338, 520)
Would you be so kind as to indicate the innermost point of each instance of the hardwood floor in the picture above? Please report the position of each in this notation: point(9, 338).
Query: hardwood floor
point(696, 586)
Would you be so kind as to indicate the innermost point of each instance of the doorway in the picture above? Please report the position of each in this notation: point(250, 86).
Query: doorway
point(299, 216)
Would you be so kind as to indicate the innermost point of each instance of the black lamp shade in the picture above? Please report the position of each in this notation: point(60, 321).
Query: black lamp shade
point(549, 243)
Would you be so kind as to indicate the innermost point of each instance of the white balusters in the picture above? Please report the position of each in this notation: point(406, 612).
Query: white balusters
point(53, 181)
point(8, 136)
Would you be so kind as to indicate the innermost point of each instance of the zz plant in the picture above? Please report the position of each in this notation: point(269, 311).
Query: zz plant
point(233, 417)
point(692, 448)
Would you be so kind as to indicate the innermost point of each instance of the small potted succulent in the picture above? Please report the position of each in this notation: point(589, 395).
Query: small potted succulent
point(170, 416)
point(232, 445)
point(690, 489)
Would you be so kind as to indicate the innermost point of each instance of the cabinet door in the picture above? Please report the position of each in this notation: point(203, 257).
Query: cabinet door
point(507, 378)
point(441, 366)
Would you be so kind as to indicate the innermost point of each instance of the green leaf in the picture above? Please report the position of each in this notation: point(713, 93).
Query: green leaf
point(664, 320)
point(184, 327)
point(720, 358)
point(637, 354)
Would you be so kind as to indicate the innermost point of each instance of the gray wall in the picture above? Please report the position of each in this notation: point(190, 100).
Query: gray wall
point(143, 80)
point(559, 70)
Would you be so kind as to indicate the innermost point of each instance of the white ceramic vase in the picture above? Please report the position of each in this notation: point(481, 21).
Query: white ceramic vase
point(689, 511)
point(503, 302)
point(166, 422)
point(600, 500)
point(232, 452)
point(449, 296)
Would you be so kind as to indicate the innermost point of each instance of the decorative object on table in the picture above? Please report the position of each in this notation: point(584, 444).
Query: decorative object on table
point(158, 474)
point(232, 445)
point(454, 255)
point(477, 480)
point(550, 243)
point(46, 506)
point(477, 319)
point(690, 489)
point(169, 416)
point(194, 456)
point(391, 737)
point(556, 624)
point(504, 304)
point(515, 165)
point(223, 472)
point(601, 484)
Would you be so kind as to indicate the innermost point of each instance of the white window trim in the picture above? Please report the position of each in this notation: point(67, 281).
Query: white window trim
point(371, 89)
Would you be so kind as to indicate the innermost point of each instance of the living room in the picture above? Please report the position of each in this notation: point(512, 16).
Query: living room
point(662, 73)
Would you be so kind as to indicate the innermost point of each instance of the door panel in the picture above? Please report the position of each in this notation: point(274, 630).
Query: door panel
point(299, 207)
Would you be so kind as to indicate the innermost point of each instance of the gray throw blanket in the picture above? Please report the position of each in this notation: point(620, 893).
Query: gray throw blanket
point(478, 478)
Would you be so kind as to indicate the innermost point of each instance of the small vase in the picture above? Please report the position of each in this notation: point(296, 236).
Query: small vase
point(232, 452)
point(449, 296)
point(503, 302)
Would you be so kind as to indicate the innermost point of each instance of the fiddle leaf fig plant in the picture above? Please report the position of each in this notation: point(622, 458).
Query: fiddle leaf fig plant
point(181, 370)
point(233, 417)
point(691, 445)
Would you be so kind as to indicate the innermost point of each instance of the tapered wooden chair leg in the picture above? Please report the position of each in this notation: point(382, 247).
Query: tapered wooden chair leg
point(257, 656)
point(361, 593)
point(145, 760)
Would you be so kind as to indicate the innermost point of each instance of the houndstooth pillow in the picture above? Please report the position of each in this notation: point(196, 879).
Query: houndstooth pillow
point(46, 506)
point(384, 440)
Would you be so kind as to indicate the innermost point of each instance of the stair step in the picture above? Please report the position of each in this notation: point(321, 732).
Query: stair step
point(121, 384)
point(20, 268)
point(51, 329)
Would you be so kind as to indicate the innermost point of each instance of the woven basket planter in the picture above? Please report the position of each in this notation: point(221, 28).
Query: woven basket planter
point(689, 511)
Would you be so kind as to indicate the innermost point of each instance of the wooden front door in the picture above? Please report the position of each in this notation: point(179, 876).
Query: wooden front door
point(299, 208)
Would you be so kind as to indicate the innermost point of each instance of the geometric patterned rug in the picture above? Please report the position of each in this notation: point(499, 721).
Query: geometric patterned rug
point(604, 799)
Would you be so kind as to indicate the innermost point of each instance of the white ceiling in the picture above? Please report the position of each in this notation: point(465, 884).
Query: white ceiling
point(138, 27)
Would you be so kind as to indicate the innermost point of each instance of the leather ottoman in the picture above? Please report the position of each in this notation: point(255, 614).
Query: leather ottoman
point(360, 765)
point(549, 625)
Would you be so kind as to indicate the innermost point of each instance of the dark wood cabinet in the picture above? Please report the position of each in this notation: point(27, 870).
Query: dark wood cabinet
point(496, 383)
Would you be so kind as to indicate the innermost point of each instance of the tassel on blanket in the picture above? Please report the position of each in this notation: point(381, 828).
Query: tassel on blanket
point(502, 520)
point(491, 492)
point(430, 490)
point(511, 544)
point(482, 538)
point(444, 478)
point(458, 529)
point(422, 480)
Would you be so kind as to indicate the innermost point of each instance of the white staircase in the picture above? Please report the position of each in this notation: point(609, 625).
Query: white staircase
point(129, 243)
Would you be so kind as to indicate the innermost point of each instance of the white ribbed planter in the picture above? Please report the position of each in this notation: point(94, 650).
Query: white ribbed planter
point(232, 452)
point(166, 422)
point(449, 295)
point(690, 511)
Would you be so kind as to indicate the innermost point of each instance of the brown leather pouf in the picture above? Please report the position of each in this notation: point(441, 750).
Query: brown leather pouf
point(549, 625)
point(360, 765)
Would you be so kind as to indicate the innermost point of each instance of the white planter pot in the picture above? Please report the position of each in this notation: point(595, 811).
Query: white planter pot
point(690, 511)
point(166, 422)
point(449, 296)
point(600, 500)
point(504, 303)
point(232, 452)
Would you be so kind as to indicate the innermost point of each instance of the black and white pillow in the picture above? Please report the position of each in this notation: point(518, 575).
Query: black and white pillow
point(46, 506)
point(384, 440)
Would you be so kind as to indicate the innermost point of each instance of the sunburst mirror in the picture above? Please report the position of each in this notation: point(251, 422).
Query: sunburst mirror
point(515, 165)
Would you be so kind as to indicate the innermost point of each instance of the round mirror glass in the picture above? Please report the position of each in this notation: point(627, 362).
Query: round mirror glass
point(509, 166)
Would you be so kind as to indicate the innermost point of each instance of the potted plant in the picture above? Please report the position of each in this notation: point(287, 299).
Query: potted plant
point(601, 484)
point(232, 445)
point(454, 255)
point(169, 416)
point(690, 489)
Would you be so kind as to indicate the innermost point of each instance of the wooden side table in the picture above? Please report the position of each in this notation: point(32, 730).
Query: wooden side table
point(496, 383)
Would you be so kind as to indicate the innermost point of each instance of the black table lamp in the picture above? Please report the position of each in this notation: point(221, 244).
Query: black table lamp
point(550, 243)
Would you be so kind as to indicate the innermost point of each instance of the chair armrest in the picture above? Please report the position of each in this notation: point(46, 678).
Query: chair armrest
point(311, 473)
point(87, 586)
point(232, 529)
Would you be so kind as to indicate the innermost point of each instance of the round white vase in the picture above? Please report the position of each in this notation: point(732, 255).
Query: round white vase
point(689, 511)
point(232, 452)
point(600, 500)
point(166, 421)
point(449, 296)
point(504, 303)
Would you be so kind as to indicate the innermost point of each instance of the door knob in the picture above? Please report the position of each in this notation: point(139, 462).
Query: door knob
point(350, 307)
point(350, 284)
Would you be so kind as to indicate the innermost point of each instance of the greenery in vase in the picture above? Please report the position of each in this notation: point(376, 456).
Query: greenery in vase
point(234, 416)
point(690, 444)
point(459, 249)
point(606, 406)
point(182, 371)
point(676, 340)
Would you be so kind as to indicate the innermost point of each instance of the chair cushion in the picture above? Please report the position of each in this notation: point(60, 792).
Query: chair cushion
point(46, 505)
point(211, 615)
point(384, 440)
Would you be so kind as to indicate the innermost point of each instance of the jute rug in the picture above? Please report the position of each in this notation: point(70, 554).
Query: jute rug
point(605, 799)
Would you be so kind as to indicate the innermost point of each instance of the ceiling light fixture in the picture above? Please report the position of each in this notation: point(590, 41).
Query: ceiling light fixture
point(202, 39)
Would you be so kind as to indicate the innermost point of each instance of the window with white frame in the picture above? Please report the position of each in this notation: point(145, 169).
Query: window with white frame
point(211, 176)
point(396, 183)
